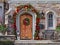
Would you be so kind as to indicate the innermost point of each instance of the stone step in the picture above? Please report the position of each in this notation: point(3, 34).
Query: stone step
point(37, 44)
point(35, 41)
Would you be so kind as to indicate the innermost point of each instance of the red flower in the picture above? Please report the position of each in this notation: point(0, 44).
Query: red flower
point(37, 28)
point(25, 22)
point(26, 6)
point(37, 20)
point(17, 10)
point(12, 25)
point(14, 13)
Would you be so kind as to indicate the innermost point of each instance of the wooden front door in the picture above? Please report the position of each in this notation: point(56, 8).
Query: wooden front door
point(26, 27)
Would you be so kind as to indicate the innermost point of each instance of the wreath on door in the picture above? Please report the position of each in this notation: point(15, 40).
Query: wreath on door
point(26, 21)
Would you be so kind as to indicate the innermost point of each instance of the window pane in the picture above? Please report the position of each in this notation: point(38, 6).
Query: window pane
point(50, 19)
point(1, 13)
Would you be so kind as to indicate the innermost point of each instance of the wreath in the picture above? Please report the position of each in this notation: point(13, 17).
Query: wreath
point(26, 21)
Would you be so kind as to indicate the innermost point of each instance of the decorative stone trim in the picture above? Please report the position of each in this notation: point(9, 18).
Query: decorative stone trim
point(7, 37)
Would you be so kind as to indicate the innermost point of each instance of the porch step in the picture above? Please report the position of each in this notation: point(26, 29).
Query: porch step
point(36, 42)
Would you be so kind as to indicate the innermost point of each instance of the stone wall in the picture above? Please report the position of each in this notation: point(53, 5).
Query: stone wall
point(55, 7)
point(42, 6)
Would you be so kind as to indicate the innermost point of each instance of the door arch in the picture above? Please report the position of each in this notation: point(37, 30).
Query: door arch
point(33, 15)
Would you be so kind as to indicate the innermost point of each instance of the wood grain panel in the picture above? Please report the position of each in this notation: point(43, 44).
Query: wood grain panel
point(25, 31)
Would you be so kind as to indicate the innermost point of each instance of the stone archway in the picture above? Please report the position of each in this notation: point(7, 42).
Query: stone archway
point(19, 22)
point(35, 19)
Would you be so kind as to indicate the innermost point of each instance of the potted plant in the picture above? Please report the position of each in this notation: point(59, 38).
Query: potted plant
point(58, 28)
point(7, 42)
point(58, 32)
point(3, 29)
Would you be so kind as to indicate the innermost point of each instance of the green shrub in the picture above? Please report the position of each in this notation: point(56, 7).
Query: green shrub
point(3, 28)
point(6, 43)
point(58, 28)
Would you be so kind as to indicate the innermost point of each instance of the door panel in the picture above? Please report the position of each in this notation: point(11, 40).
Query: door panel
point(26, 28)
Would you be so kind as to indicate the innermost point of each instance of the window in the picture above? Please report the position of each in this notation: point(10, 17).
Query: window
point(0, 10)
point(50, 19)
point(0, 13)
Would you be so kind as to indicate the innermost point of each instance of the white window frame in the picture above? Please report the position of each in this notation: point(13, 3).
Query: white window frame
point(2, 5)
point(54, 20)
point(49, 20)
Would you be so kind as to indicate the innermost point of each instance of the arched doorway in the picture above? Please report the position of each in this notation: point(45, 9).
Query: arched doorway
point(26, 26)
point(23, 11)
point(26, 29)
